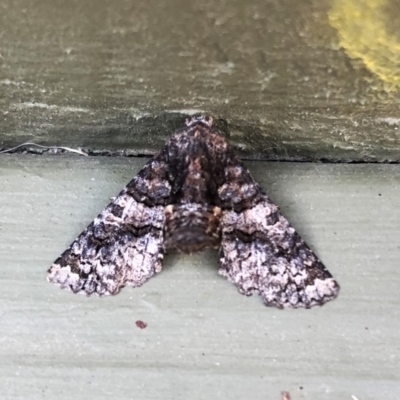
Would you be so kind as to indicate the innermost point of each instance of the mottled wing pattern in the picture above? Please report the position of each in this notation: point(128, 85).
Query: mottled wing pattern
point(261, 252)
point(124, 244)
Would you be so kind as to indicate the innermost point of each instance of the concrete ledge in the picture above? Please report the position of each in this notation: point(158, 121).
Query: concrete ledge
point(119, 77)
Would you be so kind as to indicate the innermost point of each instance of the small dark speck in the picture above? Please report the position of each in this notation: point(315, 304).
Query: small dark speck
point(379, 194)
point(141, 324)
point(301, 387)
point(366, 328)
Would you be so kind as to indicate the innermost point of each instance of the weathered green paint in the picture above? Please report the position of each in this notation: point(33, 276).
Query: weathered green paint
point(203, 339)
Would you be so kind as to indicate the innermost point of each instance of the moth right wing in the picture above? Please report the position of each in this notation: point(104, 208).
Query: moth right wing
point(124, 244)
point(262, 252)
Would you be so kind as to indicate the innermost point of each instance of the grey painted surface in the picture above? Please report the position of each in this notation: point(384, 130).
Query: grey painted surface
point(117, 76)
point(203, 339)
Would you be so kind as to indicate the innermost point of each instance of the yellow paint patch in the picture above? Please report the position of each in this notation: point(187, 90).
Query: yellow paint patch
point(362, 27)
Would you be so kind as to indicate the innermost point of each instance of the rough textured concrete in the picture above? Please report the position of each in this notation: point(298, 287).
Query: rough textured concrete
point(290, 79)
point(203, 339)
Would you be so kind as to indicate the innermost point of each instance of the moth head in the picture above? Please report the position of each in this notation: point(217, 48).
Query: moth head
point(204, 119)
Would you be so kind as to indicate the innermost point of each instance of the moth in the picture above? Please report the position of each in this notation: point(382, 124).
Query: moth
point(195, 193)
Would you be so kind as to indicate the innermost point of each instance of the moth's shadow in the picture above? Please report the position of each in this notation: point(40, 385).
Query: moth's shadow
point(207, 259)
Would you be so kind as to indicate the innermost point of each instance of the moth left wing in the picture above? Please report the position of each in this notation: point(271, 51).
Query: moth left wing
point(261, 251)
point(124, 244)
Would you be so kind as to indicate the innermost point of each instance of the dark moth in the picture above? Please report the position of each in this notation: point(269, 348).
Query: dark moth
point(195, 194)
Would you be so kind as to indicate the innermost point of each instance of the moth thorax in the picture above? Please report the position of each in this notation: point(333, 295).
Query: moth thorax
point(192, 227)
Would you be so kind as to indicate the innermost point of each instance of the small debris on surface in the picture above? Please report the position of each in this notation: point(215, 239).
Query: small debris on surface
point(141, 324)
point(286, 396)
